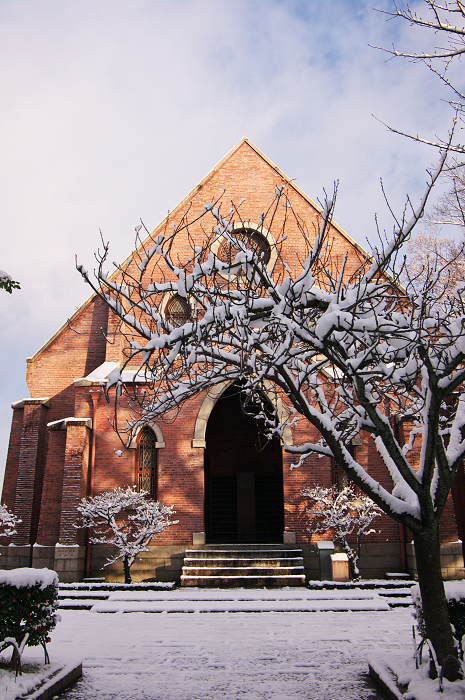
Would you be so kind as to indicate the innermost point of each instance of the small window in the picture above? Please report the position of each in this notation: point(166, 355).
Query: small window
point(340, 478)
point(252, 239)
point(178, 311)
point(147, 463)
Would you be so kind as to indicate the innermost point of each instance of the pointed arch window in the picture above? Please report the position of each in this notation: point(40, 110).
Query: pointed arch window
point(147, 462)
point(178, 311)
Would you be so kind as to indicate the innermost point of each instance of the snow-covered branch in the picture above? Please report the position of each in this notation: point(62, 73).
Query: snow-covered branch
point(8, 522)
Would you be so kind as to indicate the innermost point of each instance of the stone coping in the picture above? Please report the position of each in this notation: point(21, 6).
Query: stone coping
point(385, 680)
point(60, 677)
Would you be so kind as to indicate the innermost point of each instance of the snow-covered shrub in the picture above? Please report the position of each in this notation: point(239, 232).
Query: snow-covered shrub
point(127, 519)
point(347, 513)
point(28, 603)
point(455, 596)
point(8, 521)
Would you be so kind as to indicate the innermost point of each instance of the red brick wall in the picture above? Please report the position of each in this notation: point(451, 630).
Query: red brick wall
point(80, 347)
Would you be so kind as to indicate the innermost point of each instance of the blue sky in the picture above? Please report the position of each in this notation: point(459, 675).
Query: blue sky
point(113, 110)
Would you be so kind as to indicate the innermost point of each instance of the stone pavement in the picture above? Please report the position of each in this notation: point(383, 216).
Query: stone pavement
point(228, 655)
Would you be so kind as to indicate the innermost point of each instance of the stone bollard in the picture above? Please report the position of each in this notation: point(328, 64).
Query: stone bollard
point(340, 567)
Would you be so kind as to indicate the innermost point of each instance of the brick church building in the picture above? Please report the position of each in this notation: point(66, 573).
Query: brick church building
point(205, 462)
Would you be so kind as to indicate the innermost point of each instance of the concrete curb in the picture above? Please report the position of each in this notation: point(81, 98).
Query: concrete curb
point(385, 681)
point(59, 681)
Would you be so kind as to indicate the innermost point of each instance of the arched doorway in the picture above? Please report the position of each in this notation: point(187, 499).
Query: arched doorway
point(243, 477)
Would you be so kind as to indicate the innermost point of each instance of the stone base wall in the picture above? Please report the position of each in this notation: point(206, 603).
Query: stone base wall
point(451, 561)
point(68, 562)
point(376, 560)
point(161, 562)
point(15, 557)
point(164, 563)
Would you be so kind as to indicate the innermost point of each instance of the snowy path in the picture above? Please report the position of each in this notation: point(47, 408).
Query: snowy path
point(227, 656)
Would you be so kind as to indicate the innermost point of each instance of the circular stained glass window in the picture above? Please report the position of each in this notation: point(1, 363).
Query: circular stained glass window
point(178, 311)
point(252, 239)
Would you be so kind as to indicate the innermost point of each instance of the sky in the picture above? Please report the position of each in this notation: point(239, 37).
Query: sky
point(113, 110)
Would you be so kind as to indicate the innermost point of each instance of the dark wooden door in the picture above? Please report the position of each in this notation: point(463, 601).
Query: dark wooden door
point(243, 477)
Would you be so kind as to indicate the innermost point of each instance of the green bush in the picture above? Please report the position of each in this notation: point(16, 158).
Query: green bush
point(28, 603)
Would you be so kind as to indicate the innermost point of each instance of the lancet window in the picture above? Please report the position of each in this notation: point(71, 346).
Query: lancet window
point(147, 462)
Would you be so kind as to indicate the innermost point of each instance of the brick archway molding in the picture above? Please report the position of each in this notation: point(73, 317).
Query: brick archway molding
point(160, 443)
point(210, 400)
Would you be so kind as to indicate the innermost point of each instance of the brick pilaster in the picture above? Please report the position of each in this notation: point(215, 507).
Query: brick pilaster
point(31, 460)
point(75, 474)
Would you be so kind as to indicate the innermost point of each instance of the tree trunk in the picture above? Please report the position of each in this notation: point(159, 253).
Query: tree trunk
point(436, 617)
point(15, 662)
point(127, 571)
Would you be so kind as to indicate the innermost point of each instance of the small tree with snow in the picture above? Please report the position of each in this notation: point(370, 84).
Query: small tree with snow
point(127, 519)
point(347, 513)
point(8, 522)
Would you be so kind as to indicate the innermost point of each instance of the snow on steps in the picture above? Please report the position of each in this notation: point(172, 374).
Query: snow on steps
point(217, 566)
point(323, 596)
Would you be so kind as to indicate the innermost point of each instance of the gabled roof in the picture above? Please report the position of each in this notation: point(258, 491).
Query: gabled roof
point(185, 201)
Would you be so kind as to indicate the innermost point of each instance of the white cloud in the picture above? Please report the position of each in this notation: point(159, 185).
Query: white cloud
point(114, 110)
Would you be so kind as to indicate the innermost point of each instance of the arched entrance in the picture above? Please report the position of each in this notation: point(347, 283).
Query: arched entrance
point(243, 477)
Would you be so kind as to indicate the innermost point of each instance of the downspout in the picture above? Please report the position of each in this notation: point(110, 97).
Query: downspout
point(94, 395)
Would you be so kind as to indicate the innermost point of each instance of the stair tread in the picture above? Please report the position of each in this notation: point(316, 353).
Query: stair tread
point(229, 559)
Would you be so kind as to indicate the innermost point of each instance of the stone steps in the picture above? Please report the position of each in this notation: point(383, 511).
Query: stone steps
point(318, 597)
point(243, 571)
point(244, 566)
point(83, 596)
point(243, 562)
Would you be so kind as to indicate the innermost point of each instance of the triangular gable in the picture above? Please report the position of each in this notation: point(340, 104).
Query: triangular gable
point(243, 142)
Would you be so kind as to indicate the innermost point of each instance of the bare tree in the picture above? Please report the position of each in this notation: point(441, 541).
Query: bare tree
point(450, 209)
point(126, 519)
point(343, 350)
point(433, 255)
point(347, 513)
point(445, 21)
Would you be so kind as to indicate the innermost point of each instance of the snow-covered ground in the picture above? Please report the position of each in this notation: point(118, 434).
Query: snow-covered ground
point(226, 656)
